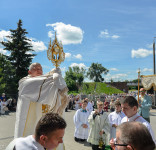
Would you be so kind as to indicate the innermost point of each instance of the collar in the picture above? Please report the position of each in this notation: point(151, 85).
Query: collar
point(101, 112)
point(133, 117)
point(83, 110)
point(118, 112)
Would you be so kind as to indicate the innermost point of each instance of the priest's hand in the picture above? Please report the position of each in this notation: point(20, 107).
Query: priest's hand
point(114, 125)
point(101, 132)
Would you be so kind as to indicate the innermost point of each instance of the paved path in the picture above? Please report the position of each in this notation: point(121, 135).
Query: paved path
point(7, 130)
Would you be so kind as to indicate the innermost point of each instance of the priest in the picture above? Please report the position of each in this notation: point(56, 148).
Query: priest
point(37, 89)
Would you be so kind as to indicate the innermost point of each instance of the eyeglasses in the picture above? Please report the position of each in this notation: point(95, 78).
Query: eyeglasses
point(120, 144)
point(116, 144)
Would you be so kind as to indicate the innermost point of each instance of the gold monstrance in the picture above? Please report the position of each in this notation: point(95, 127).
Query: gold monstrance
point(55, 52)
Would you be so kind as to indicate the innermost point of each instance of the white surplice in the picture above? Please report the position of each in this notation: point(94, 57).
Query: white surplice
point(115, 118)
point(33, 92)
point(80, 118)
point(97, 124)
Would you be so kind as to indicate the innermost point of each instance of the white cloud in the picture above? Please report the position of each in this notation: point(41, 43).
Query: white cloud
point(78, 56)
point(3, 35)
point(67, 55)
point(141, 53)
point(4, 52)
point(105, 34)
point(113, 69)
point(51, 34)
point(81, 65)
point(147, 70)
point(63, 69)
point(115, 77)
point(38, 46)
point(67, 33)
point(115, 36)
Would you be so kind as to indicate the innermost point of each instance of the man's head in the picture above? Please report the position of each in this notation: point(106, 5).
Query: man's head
point(35, 69)
point(99, 105)
point(129, 106)
point(50, 130)
point(142, 91)
point(117, 106)
point(135, 136)
point(86, 99)
point(84, 104)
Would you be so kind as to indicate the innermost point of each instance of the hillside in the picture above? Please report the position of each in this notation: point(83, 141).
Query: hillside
point(98, 88)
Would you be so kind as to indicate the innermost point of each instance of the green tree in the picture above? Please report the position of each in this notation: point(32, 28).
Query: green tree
point(74, 78)
point(96, 71)
point(20, 48)
point(6, 76)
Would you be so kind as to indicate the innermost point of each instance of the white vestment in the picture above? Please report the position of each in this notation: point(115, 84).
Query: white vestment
point(138, 118)
point(97, 124)
point(80, 118)
point(49, 89)
point(115, 118)
point(26, 143)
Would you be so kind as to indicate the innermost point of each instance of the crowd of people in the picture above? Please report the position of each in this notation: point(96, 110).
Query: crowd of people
point(99, 128)
point(35, 129)
point(7, 105)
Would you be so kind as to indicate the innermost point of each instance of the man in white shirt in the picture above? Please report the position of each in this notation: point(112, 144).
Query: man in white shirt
point(115, 118)
point(130, 106)
point(48, 135)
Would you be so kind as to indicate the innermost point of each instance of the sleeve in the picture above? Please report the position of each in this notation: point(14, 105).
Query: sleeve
point(39, 89)
point(91, 120)
point(148, 104)
point(151, 131)
point(11, 146)
point(76, 119)
point(106, 127)
point(110, 119)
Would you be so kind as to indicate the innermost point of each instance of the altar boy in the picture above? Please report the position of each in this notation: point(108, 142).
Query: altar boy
point(81, 123)
point(115, 119)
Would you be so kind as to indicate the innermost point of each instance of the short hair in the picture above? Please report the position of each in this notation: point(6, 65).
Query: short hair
point(33, 65)
point(136, 134)
point(84, 101)
point(117, 103)
point(130, 100)
point(49, 123)
point(99, 103)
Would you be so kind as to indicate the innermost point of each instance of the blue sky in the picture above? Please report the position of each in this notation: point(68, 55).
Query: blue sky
point(115, 33)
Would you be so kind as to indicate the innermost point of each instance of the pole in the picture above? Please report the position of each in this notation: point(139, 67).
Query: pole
point(154, 69)
point(138, 83)
point(154, 56)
